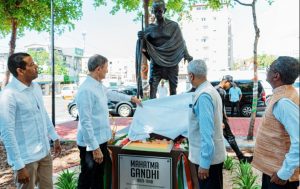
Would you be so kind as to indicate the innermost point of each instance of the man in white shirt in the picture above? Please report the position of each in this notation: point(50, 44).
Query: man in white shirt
point(162, 90)
point(94, 129)
point(25, 126)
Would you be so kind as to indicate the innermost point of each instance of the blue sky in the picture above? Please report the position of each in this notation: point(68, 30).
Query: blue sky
point(114, 36)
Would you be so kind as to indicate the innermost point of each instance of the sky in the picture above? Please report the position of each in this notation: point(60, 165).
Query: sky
point(114, 36)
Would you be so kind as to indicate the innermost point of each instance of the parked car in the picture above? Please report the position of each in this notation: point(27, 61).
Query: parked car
point(69, 91)
point(246, 87)
point(121, 108)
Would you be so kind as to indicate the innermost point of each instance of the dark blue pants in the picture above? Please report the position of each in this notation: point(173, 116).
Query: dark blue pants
point(92, 173)
point(266, 184)
point(215, 179)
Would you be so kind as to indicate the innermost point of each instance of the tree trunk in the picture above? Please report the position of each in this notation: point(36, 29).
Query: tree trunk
point(12, 47)
point(255, 85)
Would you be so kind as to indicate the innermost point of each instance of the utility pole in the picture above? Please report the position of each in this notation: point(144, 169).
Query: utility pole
point(83, 36)
point(52, 61)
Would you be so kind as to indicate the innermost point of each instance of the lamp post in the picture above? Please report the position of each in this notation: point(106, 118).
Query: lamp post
point(52, 61)
point(83, 36)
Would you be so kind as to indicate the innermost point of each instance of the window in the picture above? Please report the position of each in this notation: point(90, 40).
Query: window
point(203, 19)
point(204, 39)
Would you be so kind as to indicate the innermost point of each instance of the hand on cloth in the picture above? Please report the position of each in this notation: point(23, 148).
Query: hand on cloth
point(134, 99)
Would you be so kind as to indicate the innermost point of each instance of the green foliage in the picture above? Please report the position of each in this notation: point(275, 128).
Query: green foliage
point(228, 163)
point(265, 60)
point(244, 177)
point(174, 7)
point(42, 59)
point(66, 180)
point(35, 15)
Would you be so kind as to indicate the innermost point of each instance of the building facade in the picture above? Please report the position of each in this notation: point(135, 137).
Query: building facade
point(208, 36)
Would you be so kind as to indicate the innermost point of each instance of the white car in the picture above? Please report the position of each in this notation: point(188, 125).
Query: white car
point(69, 91)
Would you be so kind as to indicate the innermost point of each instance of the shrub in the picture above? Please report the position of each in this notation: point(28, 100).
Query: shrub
point(66, 180)
point(228, 163)
point(244, 177)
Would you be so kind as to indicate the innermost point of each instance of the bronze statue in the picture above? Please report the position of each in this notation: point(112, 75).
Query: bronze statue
point(165, 47)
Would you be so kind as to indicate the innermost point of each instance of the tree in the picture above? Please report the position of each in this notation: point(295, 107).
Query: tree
point(41, 58)
point(18, 16)
point(255, 80)
point(265, 60)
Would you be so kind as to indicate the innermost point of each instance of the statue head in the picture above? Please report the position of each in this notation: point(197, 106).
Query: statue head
point(158, 9)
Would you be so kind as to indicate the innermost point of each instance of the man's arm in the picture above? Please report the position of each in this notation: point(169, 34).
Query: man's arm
point(205, 112)
point(84, 105)
point(230, 91)
point(287, 113)
point(240, 94)
point(7, 126)
point(187, 56)
point(50, 128)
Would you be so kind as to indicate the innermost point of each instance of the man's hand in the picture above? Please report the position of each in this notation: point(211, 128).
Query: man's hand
point(98, 156)
point(188, 58)
point(137, 101)
point(57, 148)
point(203, 173)
point(141, 34)
point(275, 179)
point(23, 176)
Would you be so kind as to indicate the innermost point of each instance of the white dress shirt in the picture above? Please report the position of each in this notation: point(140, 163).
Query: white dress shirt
point(24, 124)
point(94, 128)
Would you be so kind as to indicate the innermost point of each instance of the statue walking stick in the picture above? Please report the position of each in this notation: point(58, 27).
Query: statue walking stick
point(138, 63)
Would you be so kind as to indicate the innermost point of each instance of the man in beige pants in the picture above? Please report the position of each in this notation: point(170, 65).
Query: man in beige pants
point(25, 126)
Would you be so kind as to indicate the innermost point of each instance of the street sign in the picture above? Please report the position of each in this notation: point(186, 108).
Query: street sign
point(144, 172)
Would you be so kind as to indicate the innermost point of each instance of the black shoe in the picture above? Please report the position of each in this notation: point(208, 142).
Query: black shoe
point(246, 159)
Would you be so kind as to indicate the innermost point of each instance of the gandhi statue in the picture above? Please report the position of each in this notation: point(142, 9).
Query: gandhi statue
point(165, 47)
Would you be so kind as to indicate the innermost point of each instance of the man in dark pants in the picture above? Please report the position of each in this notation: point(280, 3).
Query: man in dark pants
point(206, 142)
point(93, 127)
point(221, 88)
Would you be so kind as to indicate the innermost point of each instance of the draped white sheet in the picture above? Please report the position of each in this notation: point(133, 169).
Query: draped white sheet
point(168, 116)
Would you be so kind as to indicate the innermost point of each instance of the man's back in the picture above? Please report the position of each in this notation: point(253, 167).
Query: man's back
point(235, 93)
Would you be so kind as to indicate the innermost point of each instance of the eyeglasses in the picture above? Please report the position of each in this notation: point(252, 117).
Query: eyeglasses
point(269, 68)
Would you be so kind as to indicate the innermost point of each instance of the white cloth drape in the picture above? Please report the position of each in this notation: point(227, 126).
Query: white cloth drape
point(168, 116)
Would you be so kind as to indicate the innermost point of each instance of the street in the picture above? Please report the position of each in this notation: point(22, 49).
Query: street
point(61, 109)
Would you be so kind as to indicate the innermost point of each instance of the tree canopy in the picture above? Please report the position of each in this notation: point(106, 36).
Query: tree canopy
point(174, 7)
point(35, 15)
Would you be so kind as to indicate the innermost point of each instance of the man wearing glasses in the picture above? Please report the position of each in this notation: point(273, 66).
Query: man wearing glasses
point(276, 151)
